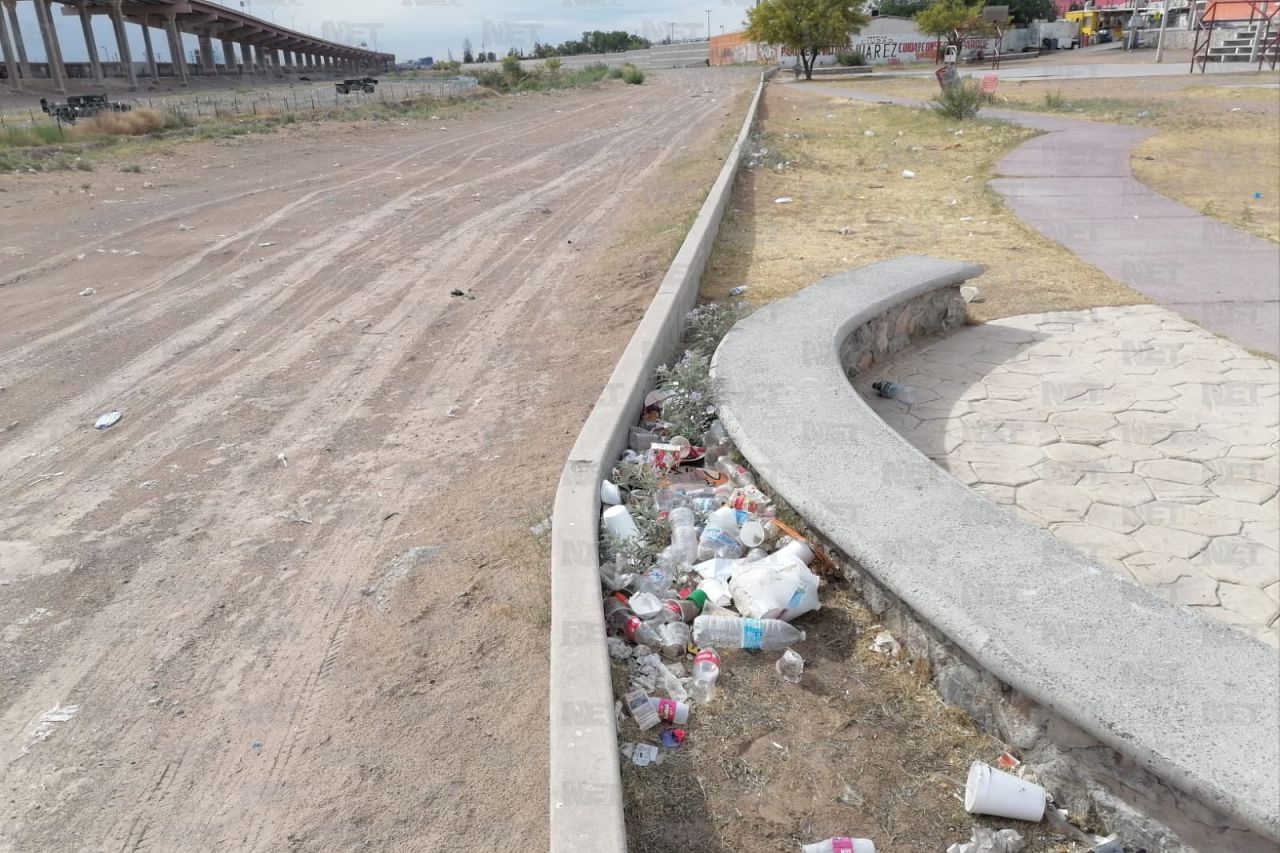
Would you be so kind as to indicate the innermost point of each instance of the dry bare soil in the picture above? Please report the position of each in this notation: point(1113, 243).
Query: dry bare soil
point(290, 601)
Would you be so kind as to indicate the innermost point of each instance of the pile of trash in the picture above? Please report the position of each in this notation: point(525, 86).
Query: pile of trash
point(694, 559)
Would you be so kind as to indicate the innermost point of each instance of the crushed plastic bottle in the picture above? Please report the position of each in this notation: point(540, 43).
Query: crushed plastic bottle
point(984, 840)
point(736, 632)
point(706, 672)
point(790, 666)
point(675, 639)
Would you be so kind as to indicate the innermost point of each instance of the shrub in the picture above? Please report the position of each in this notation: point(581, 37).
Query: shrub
point(1055, 101)
point(492, 79)
point(632, 75)
point(176, 119)
point(553, 64)
point(615, 73)
point(960, 100)
point(512, 69)
point(851, 58)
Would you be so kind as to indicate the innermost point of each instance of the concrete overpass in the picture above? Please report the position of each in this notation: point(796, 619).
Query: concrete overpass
point(245, 44)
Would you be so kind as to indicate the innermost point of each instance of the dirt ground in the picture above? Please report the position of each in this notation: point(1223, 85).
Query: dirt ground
point(1208, 152)
point(290, 601)
point(842, 165)
point(862, 746)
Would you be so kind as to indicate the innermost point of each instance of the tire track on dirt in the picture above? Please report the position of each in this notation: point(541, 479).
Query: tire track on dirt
point(290, 588)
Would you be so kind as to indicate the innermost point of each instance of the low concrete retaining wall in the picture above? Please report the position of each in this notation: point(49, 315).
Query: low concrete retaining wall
point(1160, 720)
point(585, 783)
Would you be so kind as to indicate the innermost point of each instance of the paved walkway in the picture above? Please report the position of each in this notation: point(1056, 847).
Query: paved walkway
point(1139, 438)
point(1073, 184)
point(1082, 71)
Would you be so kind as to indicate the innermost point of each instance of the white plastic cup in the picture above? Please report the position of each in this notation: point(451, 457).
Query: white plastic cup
point(618, 521)
point(800, 550)
point(841, 845)
point(751, 534)
point(609, 493)
point(993, 792)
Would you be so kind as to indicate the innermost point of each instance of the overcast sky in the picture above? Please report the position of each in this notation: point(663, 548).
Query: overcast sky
point(416, 28)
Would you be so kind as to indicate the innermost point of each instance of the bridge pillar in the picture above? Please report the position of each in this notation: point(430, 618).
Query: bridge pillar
point(176, 53)
point(24, 67)
point(86, 23)
point(51, 48)
point(259, 58)
point(229, 55)
point(153, 67)
point(207, 65)
point(122, 43)
point(10, 58)
point(246, 52)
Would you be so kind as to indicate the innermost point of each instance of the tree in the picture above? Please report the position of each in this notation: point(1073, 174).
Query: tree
point(467, 56)
point(807, 27)
point(1023, 12)
point(951, 21)
point(492, 57)
point(904, 8)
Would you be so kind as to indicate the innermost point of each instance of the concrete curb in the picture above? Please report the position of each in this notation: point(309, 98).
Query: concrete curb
point(1172, 692)
point(585, 780)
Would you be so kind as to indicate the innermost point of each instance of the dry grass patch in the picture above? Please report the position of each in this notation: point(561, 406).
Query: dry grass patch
point(136, 122)
point(1208, 152)
point(852, 206)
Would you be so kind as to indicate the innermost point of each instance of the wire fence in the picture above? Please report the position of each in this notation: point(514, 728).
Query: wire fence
point(272, 101)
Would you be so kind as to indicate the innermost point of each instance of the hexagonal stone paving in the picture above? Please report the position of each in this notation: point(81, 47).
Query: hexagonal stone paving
point(1136, 436)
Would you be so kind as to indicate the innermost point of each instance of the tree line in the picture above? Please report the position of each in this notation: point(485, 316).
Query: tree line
point(596, 41)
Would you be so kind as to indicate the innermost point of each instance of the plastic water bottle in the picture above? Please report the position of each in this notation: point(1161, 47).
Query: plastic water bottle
point(682, 609)
point(736, 632)
point(683, 549)
point(740, 476)
point(621, 619)
point(675, 639)
point(706, 671)
point(841, 844)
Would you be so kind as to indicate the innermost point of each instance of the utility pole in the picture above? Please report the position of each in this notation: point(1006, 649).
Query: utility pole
point(1164, 25)
point(708, 25)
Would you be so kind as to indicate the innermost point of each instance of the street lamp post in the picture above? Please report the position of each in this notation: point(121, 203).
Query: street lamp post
point(708, 24)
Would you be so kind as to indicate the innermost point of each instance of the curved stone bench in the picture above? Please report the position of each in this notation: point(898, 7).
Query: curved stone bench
point(1139, 702)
